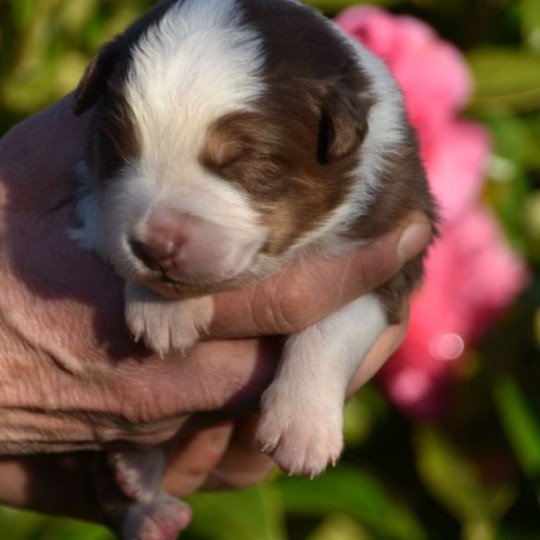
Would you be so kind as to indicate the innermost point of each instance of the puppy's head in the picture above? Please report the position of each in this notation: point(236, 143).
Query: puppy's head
point(226, 135)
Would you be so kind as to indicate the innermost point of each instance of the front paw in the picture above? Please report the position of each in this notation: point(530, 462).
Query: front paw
point(166, 325)
point(303, 436)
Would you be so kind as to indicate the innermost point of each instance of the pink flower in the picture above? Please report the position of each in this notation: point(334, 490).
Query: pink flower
point(471, 274)
point(431, 71)
point(455, 154)
point(471, 277)
point(436, 83)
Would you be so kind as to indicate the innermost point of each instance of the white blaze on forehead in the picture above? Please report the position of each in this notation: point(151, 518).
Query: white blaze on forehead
point(197, 63)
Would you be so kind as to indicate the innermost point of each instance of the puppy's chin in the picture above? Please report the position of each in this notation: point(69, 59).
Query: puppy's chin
point(180, 288)
point(176, 289)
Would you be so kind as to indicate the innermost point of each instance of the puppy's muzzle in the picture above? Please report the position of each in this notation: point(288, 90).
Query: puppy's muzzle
point(185, 247)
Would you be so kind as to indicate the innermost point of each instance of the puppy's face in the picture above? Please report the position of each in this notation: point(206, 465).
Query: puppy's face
point(222, 140)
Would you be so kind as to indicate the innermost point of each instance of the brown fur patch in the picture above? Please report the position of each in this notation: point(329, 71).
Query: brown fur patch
point(113, 140)
point(275, 161)
point(295, 154)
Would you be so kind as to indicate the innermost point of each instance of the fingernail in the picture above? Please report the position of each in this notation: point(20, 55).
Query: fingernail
point(414, 239)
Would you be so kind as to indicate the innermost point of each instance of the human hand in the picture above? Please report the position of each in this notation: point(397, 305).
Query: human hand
point(70, 376)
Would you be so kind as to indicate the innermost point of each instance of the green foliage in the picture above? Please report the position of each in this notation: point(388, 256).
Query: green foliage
point(15, 525)
point(455, 481)
point(475, 475)
point(358, 494)
point(506, 78)
point(253, 513)
point(522, 426)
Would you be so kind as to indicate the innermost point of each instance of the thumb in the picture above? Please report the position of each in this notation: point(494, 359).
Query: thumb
point(311, 287)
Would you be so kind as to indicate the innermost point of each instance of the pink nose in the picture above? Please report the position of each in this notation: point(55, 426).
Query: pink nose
point(154, 255)
point(185, 246)
point(168, 233)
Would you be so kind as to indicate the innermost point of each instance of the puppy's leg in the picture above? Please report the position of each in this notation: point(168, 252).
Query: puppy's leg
point(166, 324)
point(160, 518)
point(153, 515)
point(138, 473)
point(302, 410)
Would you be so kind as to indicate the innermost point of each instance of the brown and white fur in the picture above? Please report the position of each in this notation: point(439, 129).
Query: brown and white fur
point(228, 137)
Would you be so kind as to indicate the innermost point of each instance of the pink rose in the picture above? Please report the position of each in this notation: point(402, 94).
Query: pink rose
point(471, 274)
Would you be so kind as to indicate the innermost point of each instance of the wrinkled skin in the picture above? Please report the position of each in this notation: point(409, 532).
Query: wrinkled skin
point(72, 380)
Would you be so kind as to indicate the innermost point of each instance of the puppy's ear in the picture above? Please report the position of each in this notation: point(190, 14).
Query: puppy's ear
point(97, 74)
point(94, 80)
point(343, 124)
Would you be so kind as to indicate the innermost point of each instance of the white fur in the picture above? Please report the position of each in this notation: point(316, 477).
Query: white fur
point(130, 199)
point(165, 324)
point(199, 63)
point(302, 423)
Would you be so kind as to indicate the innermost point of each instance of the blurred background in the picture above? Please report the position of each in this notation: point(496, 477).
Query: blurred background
point(446, 443)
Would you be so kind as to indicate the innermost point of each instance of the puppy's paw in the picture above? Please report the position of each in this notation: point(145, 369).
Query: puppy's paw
point(161, 518)
point(303, 436)
point(166, 325)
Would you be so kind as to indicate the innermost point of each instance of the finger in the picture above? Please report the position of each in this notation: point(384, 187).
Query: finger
point(61, 139)
point(190, 464)
point(312, 287)
point(244, 464)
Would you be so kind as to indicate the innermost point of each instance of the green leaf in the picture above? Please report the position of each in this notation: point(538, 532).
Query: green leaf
point(521, 424)
point(362, 411)
point(17, 525)
point(514, 139)
point(505, 78)
point(339, 527)
point(22, 525)
point(530, 21)
point(65, 529)
point(356, 493)
point(531, 226)
point(255, 513)
point(454, 480)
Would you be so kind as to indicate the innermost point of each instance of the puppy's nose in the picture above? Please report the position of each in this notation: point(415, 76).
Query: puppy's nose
point(153, 255)
point(188, 247)
point(167, 233)
point(181, 245)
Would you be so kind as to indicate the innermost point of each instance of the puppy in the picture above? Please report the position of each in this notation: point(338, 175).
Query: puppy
point(229, 137)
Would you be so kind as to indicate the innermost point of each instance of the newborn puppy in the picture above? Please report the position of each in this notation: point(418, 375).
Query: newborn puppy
point(229, 137)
